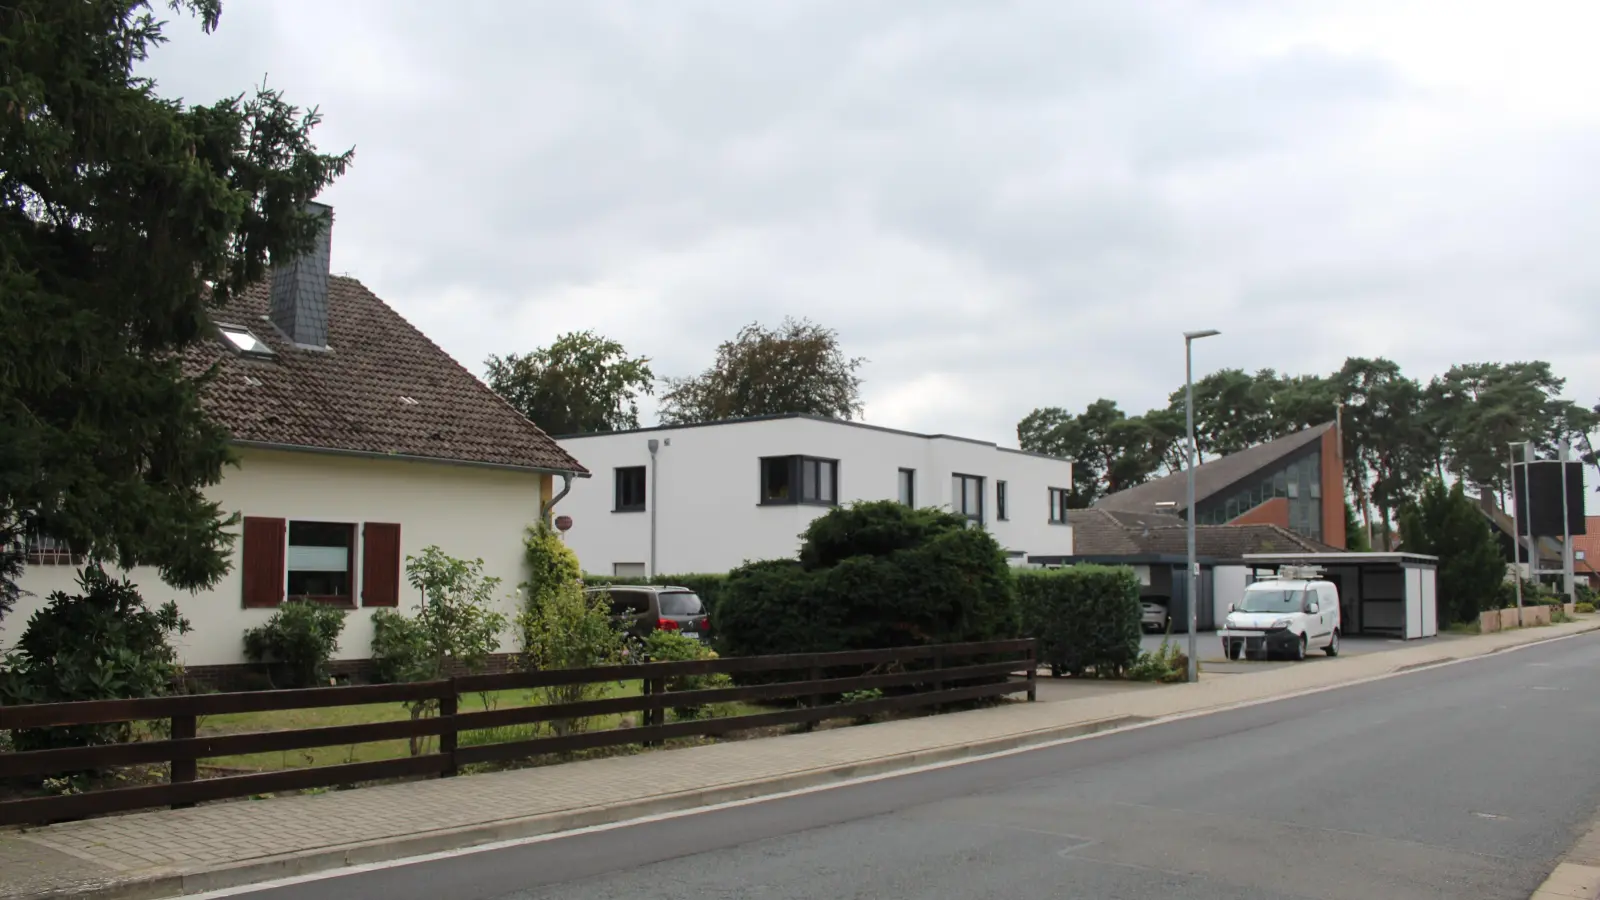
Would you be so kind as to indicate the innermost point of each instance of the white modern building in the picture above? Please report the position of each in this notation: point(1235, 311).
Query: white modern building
point(707, 498)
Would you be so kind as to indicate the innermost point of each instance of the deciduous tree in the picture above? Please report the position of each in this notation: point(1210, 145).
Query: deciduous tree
point(581, 383)
point(124, 217)
point(797, 367)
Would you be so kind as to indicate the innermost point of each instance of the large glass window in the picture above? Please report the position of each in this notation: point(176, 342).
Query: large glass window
point(321, 560)
point(799, 479)
point(908, 487)
point(1058, 505)
point(1299, 482)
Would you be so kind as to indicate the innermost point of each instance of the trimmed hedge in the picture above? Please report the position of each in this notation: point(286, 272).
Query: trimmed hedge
point(1086, 617)
point(709, 585)
point(872, 575)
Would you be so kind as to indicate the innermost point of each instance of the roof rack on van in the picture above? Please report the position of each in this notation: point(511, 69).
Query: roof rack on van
point(1294, 573)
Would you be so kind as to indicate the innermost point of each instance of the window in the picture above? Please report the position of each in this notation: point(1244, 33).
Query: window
point(629, 603)
point(680, 603)
point(317, 560)
point(242, 340)
point(321, 561)
point(630, 489)
point(966, 496)
point(43, 550)
point(799, 479)
point(1058, 505)
point(908, 487)
point(1000, 501)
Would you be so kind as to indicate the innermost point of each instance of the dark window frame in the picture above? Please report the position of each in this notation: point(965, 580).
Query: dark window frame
point(906, 484)
point(795, 468)
point(958, 502)
point(618, 494)
point(1002, 501)
point(1060, 498)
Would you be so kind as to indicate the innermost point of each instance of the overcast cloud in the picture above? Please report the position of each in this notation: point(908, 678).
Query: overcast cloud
point(1000, 205)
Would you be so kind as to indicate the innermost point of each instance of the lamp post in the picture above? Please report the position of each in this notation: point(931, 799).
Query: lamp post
point(1189, 337)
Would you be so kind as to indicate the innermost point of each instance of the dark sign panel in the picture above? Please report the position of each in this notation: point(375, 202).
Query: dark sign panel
point(1544, 487)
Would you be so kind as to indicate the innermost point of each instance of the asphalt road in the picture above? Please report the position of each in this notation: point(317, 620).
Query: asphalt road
point(1467, 781)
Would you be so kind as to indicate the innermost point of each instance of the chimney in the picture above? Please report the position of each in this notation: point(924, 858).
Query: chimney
point(300, 288)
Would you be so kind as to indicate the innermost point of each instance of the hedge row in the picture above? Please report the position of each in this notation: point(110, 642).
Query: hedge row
point(1086, 617)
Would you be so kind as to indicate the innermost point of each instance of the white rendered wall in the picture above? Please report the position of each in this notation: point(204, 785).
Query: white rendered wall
point(466, 511)
point(709, 517)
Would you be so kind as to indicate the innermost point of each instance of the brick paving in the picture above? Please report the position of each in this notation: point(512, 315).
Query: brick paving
point(88, 856)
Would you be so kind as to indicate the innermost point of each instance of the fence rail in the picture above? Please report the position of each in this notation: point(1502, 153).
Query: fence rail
point(953, 673)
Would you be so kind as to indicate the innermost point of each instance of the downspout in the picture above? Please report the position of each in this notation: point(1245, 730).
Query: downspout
point(654, 446)
point(545, 508)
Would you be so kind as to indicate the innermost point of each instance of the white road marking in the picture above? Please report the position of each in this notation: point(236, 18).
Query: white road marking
point(833, 786)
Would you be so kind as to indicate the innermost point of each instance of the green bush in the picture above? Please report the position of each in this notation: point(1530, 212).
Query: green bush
point(1584, 607)
point(1085, 617)
point(708, 585)
point(398, 647)
point(299, 640)
point(570, 630)
point(913, 577)
point(551, 564)
point(667, 646)
point(100, 644)
point(1166, 664)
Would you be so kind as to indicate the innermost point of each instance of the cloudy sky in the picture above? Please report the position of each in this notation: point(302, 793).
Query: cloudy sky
point(1000, 205)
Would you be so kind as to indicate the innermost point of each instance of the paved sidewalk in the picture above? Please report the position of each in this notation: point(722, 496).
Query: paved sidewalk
point(168, 852)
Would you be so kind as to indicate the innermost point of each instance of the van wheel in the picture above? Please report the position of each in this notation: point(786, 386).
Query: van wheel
point(1300, 649)
point(1333, 646)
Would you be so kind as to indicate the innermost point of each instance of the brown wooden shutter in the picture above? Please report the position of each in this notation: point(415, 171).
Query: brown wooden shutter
point(263, 561)
point(380, 564)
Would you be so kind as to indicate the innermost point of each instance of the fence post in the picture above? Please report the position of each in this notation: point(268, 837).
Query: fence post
point(938, 676)
point(449, 704)
point(1033, 670)
point(813, 675)
point(183, 770)
point(655, 687)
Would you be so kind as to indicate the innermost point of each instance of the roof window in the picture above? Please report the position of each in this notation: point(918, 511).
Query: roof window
point(244, 341)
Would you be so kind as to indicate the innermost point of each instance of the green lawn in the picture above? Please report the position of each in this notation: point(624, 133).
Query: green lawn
point(280, 720)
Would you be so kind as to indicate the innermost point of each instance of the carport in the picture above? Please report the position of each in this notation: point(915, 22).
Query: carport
point(1391, 594)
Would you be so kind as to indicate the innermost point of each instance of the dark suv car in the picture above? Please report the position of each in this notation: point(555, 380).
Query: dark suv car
point(646, 608)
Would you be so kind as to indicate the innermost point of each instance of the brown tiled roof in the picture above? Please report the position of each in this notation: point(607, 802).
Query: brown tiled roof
point(1212, 477)
point(351, 396)
point(1101, 532)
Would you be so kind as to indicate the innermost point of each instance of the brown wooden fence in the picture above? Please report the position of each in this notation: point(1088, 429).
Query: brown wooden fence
point(939, 675)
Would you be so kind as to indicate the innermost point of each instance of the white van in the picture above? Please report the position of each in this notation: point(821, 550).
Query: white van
point(1291, 613)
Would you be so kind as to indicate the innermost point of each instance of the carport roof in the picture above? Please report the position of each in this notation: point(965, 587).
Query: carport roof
point(1351, 558)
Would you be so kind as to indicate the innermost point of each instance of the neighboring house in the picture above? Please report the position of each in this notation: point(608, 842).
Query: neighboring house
point(1586, 552)
point(1155, 545)
point(360, 443)
point(1295, 482)
point(707, 498)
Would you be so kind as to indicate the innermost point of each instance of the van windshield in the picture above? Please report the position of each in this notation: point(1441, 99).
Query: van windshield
point(1273, 601)
point(681, 603)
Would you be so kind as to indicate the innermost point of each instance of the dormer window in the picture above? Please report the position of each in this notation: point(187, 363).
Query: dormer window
point(244, 341)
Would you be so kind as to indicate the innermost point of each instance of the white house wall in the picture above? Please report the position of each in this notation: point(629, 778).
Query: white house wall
point(707, 489)
point(467, 511)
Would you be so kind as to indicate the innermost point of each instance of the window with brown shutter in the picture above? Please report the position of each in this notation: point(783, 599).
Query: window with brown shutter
point(263, 565)
point(380, 564)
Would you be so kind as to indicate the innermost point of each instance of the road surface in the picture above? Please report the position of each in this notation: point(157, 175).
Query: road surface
point(1464, 781)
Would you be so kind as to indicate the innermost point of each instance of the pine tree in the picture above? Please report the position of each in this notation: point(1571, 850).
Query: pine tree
point(123, 217)
point(1446, 523)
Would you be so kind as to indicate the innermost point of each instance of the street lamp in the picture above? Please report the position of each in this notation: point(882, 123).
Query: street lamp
point(1189, 337)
